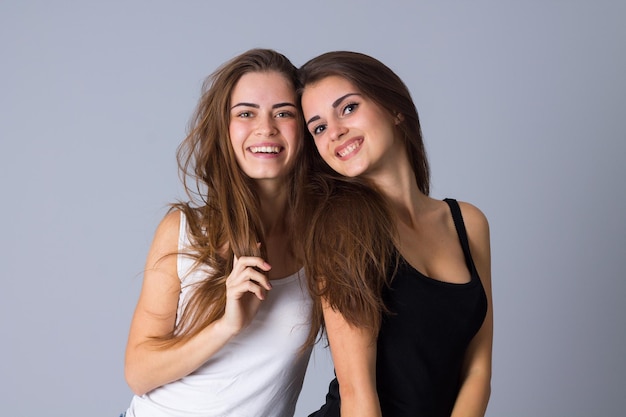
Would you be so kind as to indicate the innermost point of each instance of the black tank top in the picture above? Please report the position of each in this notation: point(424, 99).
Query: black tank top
point(422, 342)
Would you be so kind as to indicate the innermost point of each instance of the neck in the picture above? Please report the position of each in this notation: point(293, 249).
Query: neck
point(398, 184)
point(273, 206)
point(274, 215)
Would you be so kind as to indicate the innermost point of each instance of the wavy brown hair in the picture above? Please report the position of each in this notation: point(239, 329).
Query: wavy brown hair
point(223, 213)
point(349, 245)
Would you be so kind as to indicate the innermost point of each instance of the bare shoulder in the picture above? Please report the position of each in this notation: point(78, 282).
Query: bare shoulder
point(475, 220)
point(477, 228)
point(168, 228)
point(170, 223)
point(165, 241)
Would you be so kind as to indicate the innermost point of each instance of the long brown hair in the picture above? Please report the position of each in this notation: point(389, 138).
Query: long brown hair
point(223, 213)
point(349, 245)
point(347, 241)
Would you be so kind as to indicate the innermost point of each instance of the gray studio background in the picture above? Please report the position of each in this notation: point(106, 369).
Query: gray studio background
point(523, 106)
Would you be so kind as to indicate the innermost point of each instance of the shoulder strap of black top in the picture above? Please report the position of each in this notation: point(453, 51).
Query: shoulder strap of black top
point(461, 231)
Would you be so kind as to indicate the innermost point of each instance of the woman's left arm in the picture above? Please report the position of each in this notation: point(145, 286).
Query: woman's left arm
point(476, 377)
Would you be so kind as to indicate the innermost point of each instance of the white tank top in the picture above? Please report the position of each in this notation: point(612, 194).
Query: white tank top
point(258, 373)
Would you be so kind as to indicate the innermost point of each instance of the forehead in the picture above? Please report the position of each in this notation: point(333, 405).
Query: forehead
point(269, 85)
point(332, 82)
point(326, 91)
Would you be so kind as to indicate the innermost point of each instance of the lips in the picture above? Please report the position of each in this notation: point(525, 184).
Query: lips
point(266, 149)
point(349, 147)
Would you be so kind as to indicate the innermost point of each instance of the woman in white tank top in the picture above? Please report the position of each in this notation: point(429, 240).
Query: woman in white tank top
point(223, 318)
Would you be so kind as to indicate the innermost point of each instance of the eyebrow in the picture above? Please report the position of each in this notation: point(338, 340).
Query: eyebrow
point(335, 105)
point(256, 106)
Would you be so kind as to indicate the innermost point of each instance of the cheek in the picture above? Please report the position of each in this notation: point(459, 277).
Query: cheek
point(291, 132)
point(324, 151)
point(236, 143)
point(237, 134)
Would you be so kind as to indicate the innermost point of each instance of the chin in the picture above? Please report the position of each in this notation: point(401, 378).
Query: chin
point(353, 173)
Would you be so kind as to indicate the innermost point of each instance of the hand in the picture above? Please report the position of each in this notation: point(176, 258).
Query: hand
point(246, 288)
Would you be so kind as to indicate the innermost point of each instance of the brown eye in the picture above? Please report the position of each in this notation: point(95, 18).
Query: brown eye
point(318, 129)
point(284, 114)
point(350, 108)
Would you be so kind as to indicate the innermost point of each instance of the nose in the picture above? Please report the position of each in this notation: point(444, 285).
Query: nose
point(266, 126)
point(336, 131)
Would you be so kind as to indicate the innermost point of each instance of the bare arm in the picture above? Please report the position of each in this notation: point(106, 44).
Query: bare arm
point(354, 356)
point(148, 366)
point(476, 379)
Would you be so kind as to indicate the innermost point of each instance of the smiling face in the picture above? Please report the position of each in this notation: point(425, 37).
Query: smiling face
point(353, 134)
point(264, 128)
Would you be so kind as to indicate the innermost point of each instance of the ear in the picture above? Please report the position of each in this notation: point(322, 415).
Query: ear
point(398, 118)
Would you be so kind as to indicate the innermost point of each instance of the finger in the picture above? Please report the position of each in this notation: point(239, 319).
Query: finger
point(236, 292)
point(258, 277)
point(237, 278)
point(254, 288)
point(254, 261)
point(241, 273)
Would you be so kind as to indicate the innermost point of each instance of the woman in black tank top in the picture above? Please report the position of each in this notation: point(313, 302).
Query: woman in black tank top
point(403, 280)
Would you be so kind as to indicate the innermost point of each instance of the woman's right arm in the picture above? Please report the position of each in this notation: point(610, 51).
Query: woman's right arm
point(148, 366)
point(354, 356)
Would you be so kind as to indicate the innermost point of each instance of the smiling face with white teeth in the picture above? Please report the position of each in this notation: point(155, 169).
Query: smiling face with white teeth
point(353, 134)
point(264, 125)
